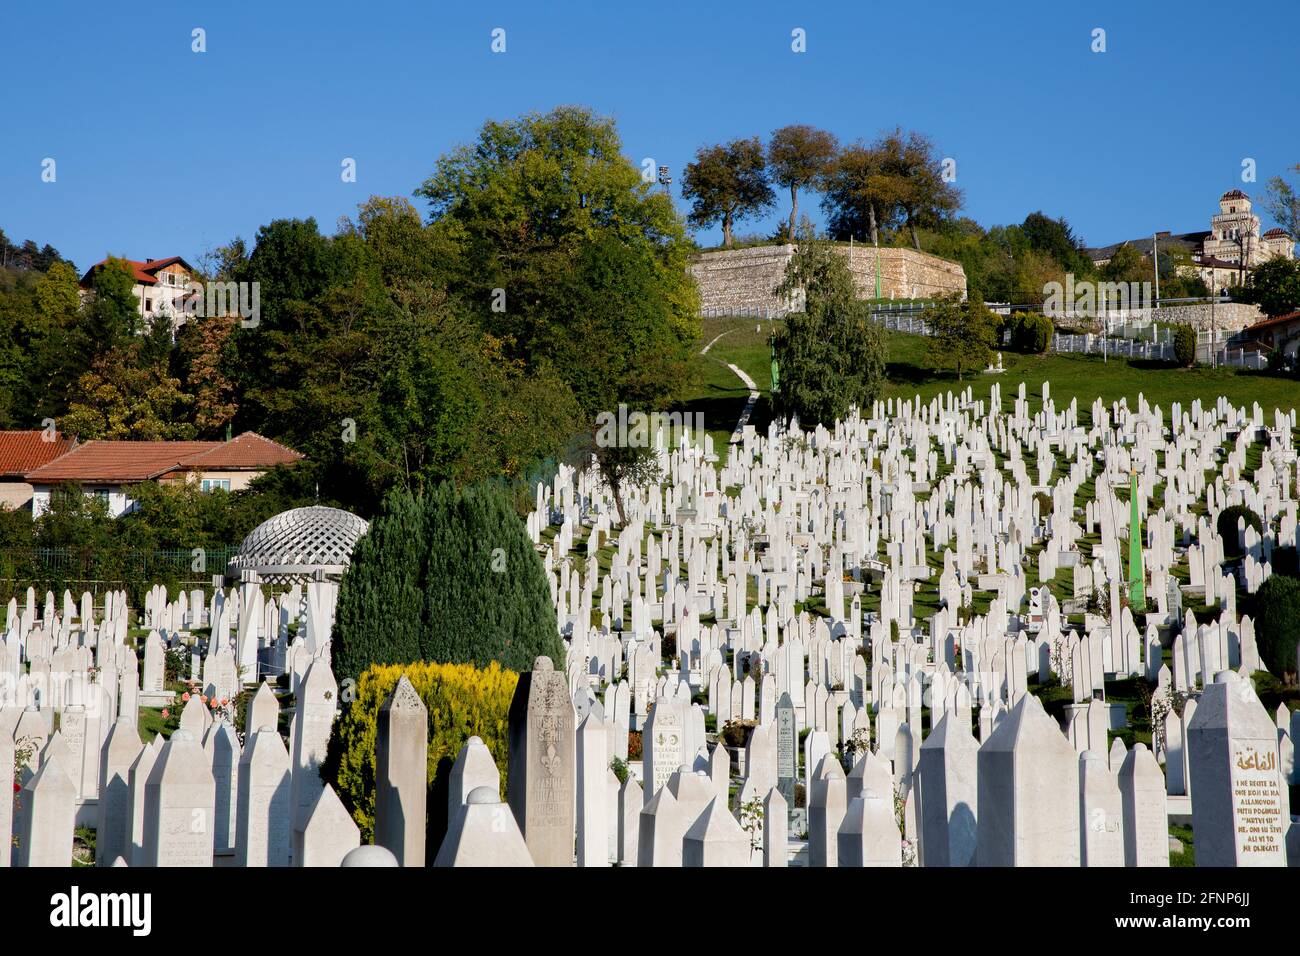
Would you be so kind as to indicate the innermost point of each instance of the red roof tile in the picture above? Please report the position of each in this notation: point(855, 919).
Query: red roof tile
point(128, 461)
point(1277, 320)
point(249, 450)
point(143, 270)
point(21, 451)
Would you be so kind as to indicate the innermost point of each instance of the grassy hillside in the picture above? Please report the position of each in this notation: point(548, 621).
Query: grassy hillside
point(717, 392)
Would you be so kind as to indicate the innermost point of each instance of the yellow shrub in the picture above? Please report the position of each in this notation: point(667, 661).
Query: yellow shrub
point(463, 702)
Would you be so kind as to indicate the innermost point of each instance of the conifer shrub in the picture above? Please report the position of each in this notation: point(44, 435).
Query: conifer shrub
point(463, 702)
point(1184, 345)
point(449, 576)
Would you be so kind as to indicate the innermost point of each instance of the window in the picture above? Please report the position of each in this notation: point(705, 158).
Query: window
point(101, 494)
point(212, 484)
point(148, 305)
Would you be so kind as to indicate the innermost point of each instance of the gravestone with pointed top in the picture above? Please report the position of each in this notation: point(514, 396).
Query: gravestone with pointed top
point(401, 773)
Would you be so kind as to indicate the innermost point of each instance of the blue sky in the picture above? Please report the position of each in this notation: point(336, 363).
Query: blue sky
point(163, 151)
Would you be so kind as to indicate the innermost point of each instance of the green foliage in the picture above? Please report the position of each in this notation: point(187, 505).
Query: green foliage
point(798, 156)
point(449, 576)
point(567, 258)
point(1227, 528)
point(1184, 345)
point(830, 356)
point(1274, 286)
point(1031, 332)
point(462, 701)
point(961, 333)
point(1277, 624)
point(727, 183)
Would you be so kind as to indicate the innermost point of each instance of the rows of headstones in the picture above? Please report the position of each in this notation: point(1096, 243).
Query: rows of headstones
point(834, 514)
point(921, 742)
point(71, 753)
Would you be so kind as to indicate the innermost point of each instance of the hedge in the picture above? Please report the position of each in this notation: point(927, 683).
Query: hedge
point(448, 576)
point(463, 702)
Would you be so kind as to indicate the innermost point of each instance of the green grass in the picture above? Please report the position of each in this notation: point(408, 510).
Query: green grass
point(911, 371)
point(1188, 856)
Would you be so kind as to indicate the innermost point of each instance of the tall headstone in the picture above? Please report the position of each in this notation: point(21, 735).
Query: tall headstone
point(401, 774)
point(221, 744)
point(474, 768)
point(179, 805)
point(787, 748)
point(47, 818)
point(313, 722)
point(137, 777)
point(263, 828)
point(6, 797)
point(1101, 814)
point(1028, 776)
point(868, 835)
point(113, 833)
point(776, 828)
point(1146, 822)
point(541, 766)
point(827, 804)
point(949, 788)
point(592, 764)
point(1239, 811)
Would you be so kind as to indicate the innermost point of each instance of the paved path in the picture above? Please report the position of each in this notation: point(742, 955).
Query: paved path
point(749, 405)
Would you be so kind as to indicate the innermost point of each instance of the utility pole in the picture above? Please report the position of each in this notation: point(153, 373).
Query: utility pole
point(1214, 298)
point(1155, 255)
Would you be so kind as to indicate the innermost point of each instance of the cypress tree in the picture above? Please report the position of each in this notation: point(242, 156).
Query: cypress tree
point(458, 568)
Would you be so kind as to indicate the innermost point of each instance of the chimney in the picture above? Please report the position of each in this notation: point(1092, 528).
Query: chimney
point(1163, 234)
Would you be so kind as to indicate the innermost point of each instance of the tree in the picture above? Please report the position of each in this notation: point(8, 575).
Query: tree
point(204, 346)
point(448, 576)
point(1056, 238)
point(961, 333)
point(1283, 204)
point(1184, 345)
point(919, 188)
point(623, 466)
point(123, 398)
point(1277, 625)
point(1127, 264)
point(552, 242)
point(1226, 525)
point(831, 356)
point(858, 199)
point(112, 313)
point(799, 156)
point(1274, 286)
point(727, 183)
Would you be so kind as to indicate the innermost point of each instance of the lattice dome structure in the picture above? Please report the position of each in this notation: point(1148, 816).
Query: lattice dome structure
point(302, 544)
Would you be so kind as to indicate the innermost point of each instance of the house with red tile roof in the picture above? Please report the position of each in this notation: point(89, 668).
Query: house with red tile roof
point(21, 452)
point(161, 285)
point(108, 469)
point(1280, 333)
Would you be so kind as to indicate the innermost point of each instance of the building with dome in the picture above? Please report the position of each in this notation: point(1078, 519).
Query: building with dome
point(1222, 254)
point(300, 545)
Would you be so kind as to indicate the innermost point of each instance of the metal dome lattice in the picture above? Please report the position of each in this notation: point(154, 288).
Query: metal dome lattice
point(301, 544)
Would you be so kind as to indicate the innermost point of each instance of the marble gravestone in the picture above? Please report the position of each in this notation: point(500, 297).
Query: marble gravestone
point(1239, 810)
point(401, 774)
point(541, 767)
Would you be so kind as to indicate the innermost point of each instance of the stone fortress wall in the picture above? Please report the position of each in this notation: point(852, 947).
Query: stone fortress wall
point(742, 280)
